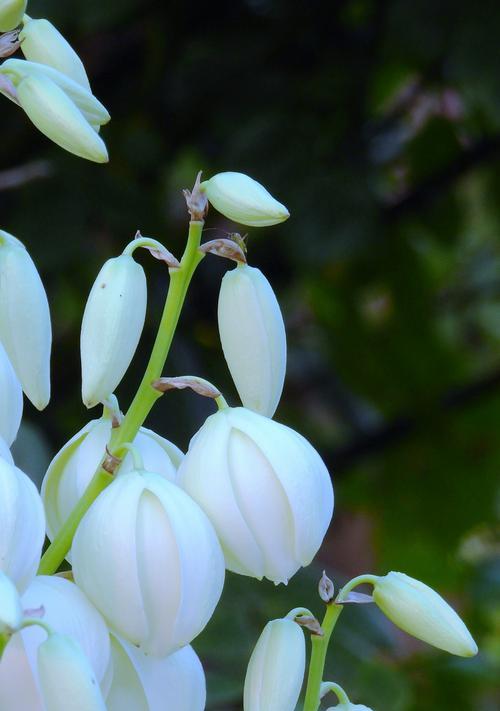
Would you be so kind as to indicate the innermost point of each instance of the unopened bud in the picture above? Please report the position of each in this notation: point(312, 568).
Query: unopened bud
point(11, 13)
point(276, 668)
point(111, 327)
point(253, 338)
point(25, 328)
point(420, 611)
point(244, 200)
point(41, 42)
point(326, 588)
point(58, 118)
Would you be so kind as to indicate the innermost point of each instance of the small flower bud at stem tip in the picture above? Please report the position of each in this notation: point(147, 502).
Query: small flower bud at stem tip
point(326, 588)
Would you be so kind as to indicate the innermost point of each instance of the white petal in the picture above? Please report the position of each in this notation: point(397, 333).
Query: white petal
point(11, 402)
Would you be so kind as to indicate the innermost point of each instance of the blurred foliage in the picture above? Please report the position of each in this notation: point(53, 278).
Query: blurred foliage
point(378, 124)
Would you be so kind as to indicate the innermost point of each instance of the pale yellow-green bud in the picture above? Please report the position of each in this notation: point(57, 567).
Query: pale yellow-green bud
point(11, 14)
point(244, 200)
point(56, 116)
point(42, 42)
point(111, 327)
point(420, 611)
point(276, 668)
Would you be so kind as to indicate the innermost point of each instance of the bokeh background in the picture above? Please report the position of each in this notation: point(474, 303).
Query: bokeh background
point(378, 125)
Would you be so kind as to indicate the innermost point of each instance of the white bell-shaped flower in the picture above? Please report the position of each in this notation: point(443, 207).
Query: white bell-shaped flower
point(11, 399)
point(244, 200)
point(11, 14)
point(22, 525)
point(67, 611)
point(145, 683)
point(74, 465)
point(11, 612)
point(42, 42)
point(112, 325)
point(67, 680)
point(25, 328)
point(61, 108)
point(265, 489)
point(253, 338)
point(160, 575)
point(418, 610)
point(275, 671)
point(5, 451)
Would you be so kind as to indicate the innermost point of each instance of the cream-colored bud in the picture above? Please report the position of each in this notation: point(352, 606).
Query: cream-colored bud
point(253, 338)
point(111, 327)
point(92, 109)
point(22, 525)
point(67, 680)
point(58, 118)
point(11, 399)
point(244, 200)
point(276, 668)
point(265, 489)
point(145, 683)
point(160, 575)
point(74, 465)
point(11, 14)
point(420, 611)
point(41, 42)
point(25, 328)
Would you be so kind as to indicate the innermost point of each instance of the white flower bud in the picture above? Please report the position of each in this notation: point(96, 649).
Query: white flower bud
point(276, 668)
point(73, 467)
point(418, 610)
point(58, 118)
point(11, 612)
point(5, 451)
point(42, 42)
point(349, 707)
point(67, 681)
point(11, 400)
point(25, 329)
point(22, 525)
point(253, 338)
point(160, 575)
point(145, 683)
point(67, 611)
point(112, 325)
point(244, 200)
point(92, 109)
point(265, 489)
point(11, 14)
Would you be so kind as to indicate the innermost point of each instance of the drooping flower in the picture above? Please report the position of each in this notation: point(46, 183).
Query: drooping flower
point(160, 575)
point(253, 338)
point(265, 489)
point(72, 468)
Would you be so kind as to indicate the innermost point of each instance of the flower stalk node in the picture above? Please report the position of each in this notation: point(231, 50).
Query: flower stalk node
point(326, 588)
point(196, 201)
point(110, 463)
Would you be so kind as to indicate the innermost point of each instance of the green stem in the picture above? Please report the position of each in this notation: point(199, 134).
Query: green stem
point(142, 403)
point(367, 578)
point(318, 656)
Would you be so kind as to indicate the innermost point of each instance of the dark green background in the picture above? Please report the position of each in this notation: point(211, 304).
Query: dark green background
point(378, 125)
